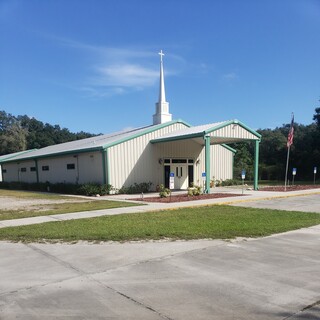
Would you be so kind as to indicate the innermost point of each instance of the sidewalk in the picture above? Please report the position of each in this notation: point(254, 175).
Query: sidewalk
point(249, 196)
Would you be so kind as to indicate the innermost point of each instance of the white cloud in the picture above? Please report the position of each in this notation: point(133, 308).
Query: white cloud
point(126, 75)
point(230, 76)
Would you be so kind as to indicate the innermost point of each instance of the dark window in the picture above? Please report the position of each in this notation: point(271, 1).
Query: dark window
point(4, 170)
point(23, 169)
point(179, 160)
point(45, 168)
point(71, 166)
point(190, 160)
point(166, 160)
point(32, 169)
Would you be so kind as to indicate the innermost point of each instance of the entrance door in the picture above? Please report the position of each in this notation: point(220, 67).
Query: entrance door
point(180, 176)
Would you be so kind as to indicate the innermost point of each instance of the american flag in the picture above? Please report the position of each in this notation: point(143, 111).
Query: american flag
point(291, 131)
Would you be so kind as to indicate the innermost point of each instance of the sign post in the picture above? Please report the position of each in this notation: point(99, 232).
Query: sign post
point(314, 175)
point(204, 176)
point(294, 172)
point(243, 176)
point(171, 181)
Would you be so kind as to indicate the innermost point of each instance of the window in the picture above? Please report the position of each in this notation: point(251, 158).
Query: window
point(4, 170)
point(166, 160)
point(179, 160)
point(45, 168)
point(71, 166)
point(23, 169)
point(190, 161)
point(32, 169)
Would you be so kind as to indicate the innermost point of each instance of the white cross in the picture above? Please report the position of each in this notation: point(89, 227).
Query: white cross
point(161, 55)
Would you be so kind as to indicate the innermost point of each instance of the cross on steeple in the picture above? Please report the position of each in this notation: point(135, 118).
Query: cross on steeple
point(162, 106)
point(161, 55)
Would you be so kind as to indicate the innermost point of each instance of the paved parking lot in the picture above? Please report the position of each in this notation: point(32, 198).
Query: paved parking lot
point(306, 203)
point(276, 277)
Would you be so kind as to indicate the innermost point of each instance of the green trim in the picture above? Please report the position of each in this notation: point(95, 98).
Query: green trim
point(227, 123)
point(256, 165)
point(14, 155)
point(54, 155)
point(108, 166)
point(176, 138)
point(103, 154)
point(151, 129)
point(207, 162)
point(229, 148)
point(37, 170)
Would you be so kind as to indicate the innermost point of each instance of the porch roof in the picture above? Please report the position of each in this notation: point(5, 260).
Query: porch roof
point(219, 132)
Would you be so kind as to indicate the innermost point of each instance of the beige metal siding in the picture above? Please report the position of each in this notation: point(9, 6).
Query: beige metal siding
point(20, 172)
point(137, 160)
point(233, 131)
point(88, 168)
point(221, 163)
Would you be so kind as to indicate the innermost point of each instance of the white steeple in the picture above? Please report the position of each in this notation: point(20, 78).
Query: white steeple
point(162, 114)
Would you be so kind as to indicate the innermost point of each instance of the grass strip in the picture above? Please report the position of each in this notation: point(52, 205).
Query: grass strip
point(215, 222)
point(59, 208)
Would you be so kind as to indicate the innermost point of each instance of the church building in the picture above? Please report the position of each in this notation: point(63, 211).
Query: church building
point(189, 154)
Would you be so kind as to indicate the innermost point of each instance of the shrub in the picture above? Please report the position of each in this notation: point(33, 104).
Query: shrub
point(194, 190)
point(164, 192)
point(88, 189)
point(142, 187)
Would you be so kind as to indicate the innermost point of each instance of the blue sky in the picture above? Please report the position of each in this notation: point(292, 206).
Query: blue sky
point(93, 65)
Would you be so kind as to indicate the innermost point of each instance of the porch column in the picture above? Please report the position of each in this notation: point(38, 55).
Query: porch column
point(256, 165)
point(207, 162)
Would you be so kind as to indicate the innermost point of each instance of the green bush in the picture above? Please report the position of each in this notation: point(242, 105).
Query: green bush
point(194, 190)
point(88, 189)
point(229, 182)
point(164, 192)
point(142, 187)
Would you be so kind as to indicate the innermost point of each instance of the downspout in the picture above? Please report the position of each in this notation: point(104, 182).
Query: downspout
point(256, 165)
point(37, 171)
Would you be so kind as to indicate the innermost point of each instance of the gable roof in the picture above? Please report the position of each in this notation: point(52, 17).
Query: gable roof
point(219, 133)
point(89, 144)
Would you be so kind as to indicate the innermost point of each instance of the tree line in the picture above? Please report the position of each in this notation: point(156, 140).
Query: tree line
point(304, 152)
point(19, 133)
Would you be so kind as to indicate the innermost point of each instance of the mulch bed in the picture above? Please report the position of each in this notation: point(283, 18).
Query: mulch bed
point(185, 197)
point(289, 188)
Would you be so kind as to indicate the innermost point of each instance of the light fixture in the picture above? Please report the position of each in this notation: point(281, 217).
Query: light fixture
point(198, 162)
point(160, 160)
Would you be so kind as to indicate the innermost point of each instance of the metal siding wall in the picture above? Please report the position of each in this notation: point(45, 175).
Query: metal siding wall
point(136, 160)
point(12, 172)
point(233, 131)
point(90, 169)
point(28, 176)
point(221, 163)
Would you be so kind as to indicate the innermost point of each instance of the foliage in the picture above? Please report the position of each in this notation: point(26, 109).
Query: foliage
point(213, 222)
point(304, 153)
point(143, 187)
point(88, 189)
point(194, 190)
point(164, 192)
point(230, 182)
point(23, 133)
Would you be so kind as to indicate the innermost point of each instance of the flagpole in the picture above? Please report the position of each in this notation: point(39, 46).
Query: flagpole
point(286, 178)
point(289, 143)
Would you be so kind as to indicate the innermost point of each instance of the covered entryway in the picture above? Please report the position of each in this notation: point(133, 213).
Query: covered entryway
point(220, 133)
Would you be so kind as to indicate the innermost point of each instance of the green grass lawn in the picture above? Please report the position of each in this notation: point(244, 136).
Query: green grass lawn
point(216, 222)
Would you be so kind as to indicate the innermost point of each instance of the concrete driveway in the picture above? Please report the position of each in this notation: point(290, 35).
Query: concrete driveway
point(269, 278)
